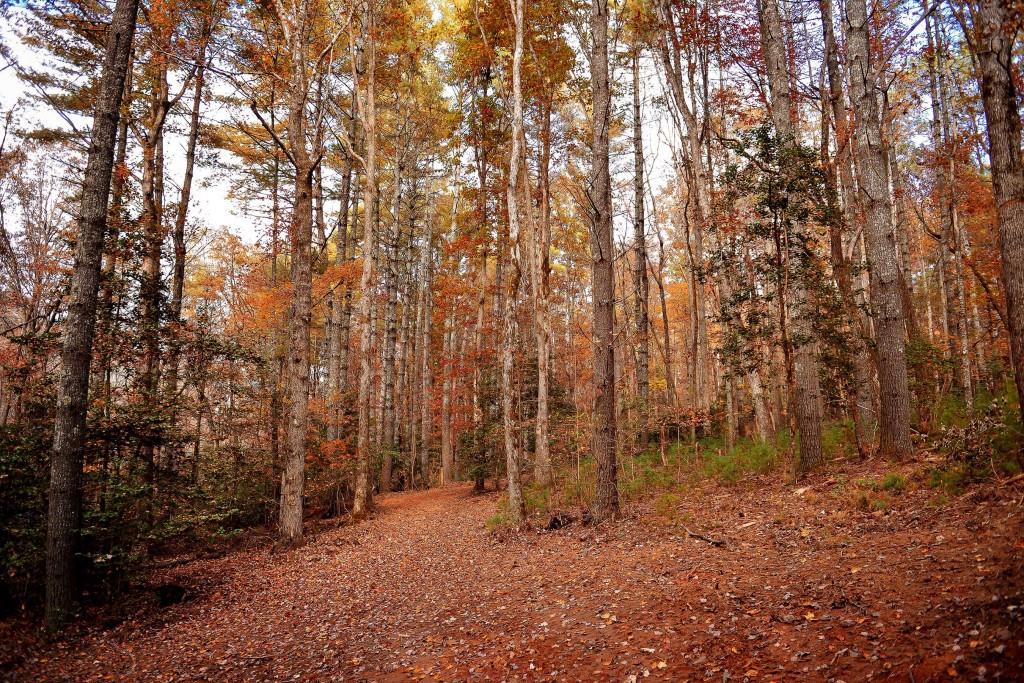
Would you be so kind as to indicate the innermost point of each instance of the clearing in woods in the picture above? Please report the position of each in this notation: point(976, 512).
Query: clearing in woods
point(801, 587)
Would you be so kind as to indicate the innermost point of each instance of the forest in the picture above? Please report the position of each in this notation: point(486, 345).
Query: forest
point(511, 340)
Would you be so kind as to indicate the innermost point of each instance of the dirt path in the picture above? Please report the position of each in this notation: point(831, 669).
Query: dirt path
point(423, 591)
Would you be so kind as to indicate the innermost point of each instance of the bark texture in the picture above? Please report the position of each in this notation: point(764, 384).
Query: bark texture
point(368, 114)
point(606, 503)
point(806, 389)
point(992, 42)
point(883, 265)
point(64, 515)
point(641, 286)
point(516, 171)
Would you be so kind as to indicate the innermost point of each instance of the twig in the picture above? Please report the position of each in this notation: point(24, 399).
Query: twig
point(718, 543)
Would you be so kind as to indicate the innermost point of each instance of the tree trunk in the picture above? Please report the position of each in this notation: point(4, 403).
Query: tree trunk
point(516, 190)
point(886, 299)
point(541, 267)
point(863, 405)
point(992, 44)
point(65, 495)
point(426, 377)
point(153, 238)
point(178, 235)
point(341, 297)
point(447, 454)
point(806, 390)
point(670, 372)
point(297, 371)
point(641, 287)
point(606, 503)
point(388, 371)
point(699, 213)
point(942, 135)
point(368, 113)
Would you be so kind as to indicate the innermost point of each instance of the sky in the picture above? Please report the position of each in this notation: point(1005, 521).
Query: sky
point(210, 201)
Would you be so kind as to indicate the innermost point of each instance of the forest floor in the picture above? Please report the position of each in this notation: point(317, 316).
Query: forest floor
point(804, 585)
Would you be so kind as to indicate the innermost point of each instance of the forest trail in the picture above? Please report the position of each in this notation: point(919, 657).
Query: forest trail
point(422, 591)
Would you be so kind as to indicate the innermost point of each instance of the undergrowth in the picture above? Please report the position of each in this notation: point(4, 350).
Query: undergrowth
point(985, 441)
point(973, 445)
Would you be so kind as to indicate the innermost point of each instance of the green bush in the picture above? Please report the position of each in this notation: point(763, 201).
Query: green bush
point(894, 482)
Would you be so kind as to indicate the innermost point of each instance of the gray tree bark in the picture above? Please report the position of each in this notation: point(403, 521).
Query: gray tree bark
point(991, 39)
point(65, 496)
point(886, 297)
point(515, 192)
point(606, 503)
point(363, 499)
point(641, 286)
point(863, 408)
point(806, 389)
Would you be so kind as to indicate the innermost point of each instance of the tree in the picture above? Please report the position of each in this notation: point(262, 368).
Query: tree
point(517, 184)
point(72, 401)
point(606, 503)
point(641, 286)
point(804, 384)
point(862, 403)
point(367, 105)
point(886, 298)
point(991, 29)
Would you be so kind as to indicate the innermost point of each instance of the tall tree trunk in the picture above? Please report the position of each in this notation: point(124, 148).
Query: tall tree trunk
point(806, 389)
point(481, 159)
point(886, 298)
point(389, 252)
point(447, 453)
point(368, 113)
point(641, 287)
point(942, 135)
point(153, 239)
point(297, 371)
point(699, 210)
point(345, 335)
point(276, 398)
point(992, 42)
point(115, 222)
point(65, 495)
point(341, 296)
point(670, 371)
point(863, 404)
point(541, 267)
point(178, 234)
point(606, 503)
point(426, 376)
point(516, 186)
